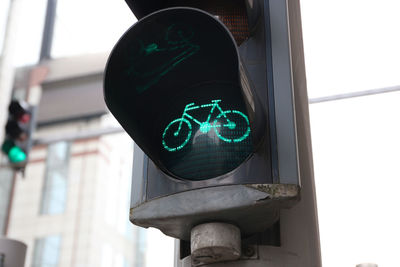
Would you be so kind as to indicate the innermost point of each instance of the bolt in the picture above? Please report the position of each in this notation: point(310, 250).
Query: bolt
point(248, 251)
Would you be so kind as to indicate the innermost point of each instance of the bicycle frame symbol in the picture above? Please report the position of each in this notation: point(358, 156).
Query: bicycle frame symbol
point(231, 126)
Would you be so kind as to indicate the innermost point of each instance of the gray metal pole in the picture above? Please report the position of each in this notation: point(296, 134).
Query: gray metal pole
point(299, 234)
point(354, 94)
point(47, 39)
point(2, 256)
point(7, 62)
point(214, 242)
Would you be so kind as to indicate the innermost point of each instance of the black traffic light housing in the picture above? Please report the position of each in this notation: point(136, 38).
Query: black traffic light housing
point(18, 133)
point(212, 171)
point(191, 107)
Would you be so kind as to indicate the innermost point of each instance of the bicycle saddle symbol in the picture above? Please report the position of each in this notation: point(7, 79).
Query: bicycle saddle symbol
point(231, 126)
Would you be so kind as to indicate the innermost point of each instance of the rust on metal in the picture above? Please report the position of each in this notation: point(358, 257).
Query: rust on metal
point(278, 191)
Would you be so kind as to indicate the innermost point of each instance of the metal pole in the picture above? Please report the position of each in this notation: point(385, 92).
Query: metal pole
point(7, 62)
point(10, 202)
point(2, 257)
point(299, 234)
point(214, 242)
point(354, 94)
point(48, 31)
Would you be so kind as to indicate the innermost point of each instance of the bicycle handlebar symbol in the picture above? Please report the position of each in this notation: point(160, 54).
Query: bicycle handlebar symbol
point(231, 126)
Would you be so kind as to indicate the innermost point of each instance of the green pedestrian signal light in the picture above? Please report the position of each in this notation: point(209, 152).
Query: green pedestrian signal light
point(15, 154)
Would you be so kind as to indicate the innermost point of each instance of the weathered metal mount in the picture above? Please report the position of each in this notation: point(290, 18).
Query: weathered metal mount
point(252, 208)
point(214, 242)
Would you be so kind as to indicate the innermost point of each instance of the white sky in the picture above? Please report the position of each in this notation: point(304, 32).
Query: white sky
point(350, 45)
point(356, 153)
point(96, 27)
point(353, 45)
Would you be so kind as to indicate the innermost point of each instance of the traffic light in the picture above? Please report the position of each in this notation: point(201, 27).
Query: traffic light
point(191, 108)
point(193, 84)
point(18, 133)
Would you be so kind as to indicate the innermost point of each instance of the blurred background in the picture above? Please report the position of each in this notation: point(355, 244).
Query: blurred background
point(71, 207)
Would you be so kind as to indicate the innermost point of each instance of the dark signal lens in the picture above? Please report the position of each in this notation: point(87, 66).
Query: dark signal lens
point(232, 13)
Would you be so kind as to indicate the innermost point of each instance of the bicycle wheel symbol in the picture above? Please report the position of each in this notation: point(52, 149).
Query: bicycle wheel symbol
point(232, 126)
point(176, 134)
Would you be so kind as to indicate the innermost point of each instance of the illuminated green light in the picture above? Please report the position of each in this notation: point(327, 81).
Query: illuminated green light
point(171, 131)
point(16, 155)
point(231, 126)
point(237, 115)
point(205, 127)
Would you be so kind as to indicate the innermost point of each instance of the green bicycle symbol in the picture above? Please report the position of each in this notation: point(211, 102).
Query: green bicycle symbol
point(231, 126)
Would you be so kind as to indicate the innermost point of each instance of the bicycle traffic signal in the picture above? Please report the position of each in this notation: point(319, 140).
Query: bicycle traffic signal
point(193, 88)
point(187, 108)
point(18, 133)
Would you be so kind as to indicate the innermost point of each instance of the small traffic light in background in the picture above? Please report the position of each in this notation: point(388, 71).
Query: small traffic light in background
point(18, 133)
point(198, 87)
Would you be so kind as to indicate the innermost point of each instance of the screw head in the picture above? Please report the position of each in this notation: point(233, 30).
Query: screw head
point(248, 251)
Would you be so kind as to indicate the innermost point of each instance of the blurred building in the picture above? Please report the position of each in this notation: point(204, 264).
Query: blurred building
point(71, 207)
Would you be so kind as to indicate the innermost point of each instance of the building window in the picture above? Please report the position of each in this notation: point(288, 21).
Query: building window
point(54, 193)
point(46, 251)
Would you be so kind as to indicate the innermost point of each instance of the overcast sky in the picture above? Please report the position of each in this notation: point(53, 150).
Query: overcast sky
point(353, 45)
